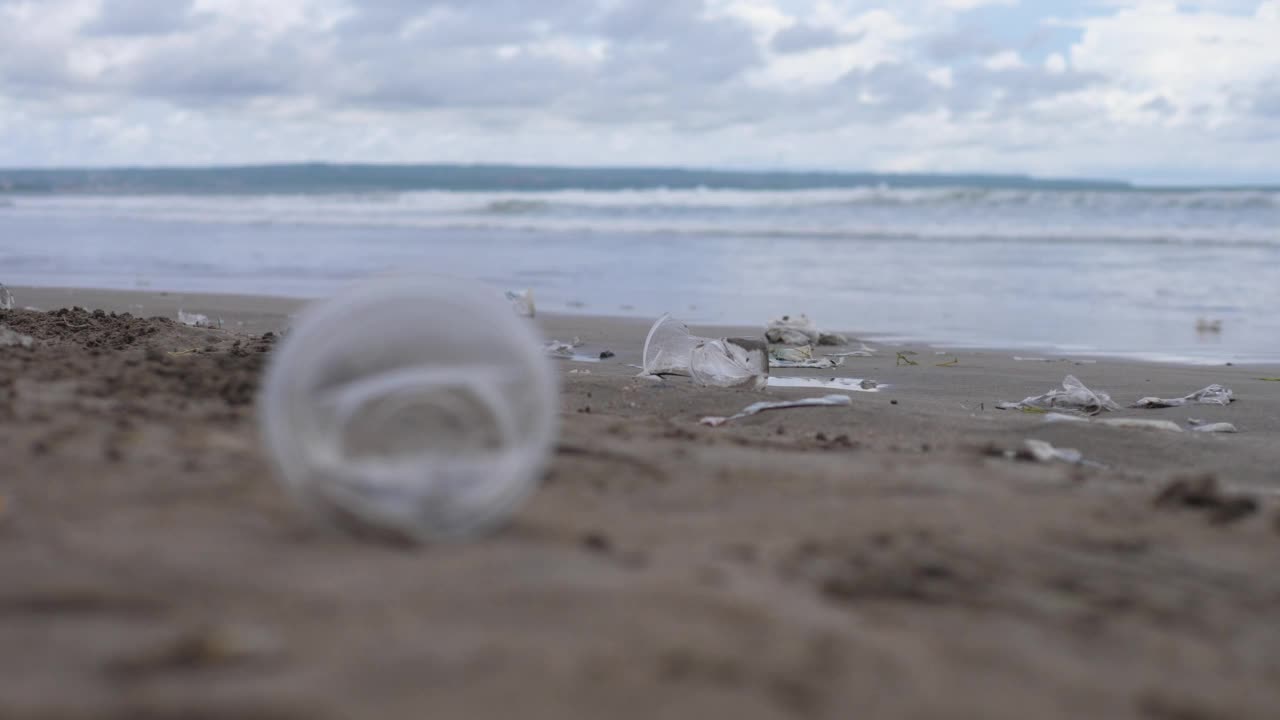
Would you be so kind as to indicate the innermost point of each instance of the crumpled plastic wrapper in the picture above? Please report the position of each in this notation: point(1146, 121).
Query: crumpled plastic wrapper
point(800, 330)
point(1213, 395)
point(802, 357)
point(1074, 396)
point(670, 349)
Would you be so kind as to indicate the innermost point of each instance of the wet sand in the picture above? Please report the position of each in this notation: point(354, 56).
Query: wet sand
point(883, 559)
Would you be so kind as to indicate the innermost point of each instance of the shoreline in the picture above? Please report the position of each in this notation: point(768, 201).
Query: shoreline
point(260, 313)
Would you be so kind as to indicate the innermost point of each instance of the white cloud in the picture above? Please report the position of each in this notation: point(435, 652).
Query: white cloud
point(925, 84)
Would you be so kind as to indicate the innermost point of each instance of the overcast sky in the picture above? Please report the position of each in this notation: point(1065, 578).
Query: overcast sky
point(1151, 91)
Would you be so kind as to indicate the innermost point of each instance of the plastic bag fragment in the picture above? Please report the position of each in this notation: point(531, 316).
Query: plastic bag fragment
point(826, 401)
point(11, 338)
point(801, 356)
point(522, 303)
point(1213, 395)
point(197, 320)
point(670, 349)
point(1216, 428)
point(729, 362)
point(800, 330)
point(6, 298)
point(1142, 424)
point(1072, 397)
point(1041, 451)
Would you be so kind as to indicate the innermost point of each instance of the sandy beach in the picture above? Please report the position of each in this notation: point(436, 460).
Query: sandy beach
point(884, 559)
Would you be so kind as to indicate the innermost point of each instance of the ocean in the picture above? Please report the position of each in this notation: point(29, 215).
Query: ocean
point(1065, 267)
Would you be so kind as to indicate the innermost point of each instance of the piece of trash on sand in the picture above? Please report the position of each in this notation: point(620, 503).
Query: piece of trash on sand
point(904, 358)
point(846, 384)
point(670, 349)
point(1064, 418)
point(825, 401)
point(579, 372)
point(1041, 451)
point(6, 298)
point(562, 350)
point(522, 303)
point(1141, 424)
point(1073, 396)
point(12, 338)
point(1213, 395)
point(800, 330)
point(198, 320)
point(1221, 427)
point(801, 357)
point(411, 407)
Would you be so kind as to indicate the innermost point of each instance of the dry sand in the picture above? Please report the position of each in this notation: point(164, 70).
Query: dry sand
point(878, 560)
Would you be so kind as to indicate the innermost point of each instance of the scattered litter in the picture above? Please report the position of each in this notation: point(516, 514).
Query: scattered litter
point(1215, 428)
point(905, 359)
point(1212, 395)
point(800, 330)
point(1193, 422)
point(1041, 451)
point(198, 320)
point(801, 356)
point(847, 384)
point(1072, 397)
point(953, 362)
point(10, 338)
point(522, 303)
point(1205, 493)
point(826, 401)
point(6, 298)
point(1142, 424)
point(1064, 418)
point(670, 349)
point(1034, 359)
point(606, 354)
point(562, 350)
point(1269, 379)
point(579, 372)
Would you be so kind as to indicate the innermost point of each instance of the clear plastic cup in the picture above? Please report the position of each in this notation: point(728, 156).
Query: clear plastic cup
point(420, 406)
point(670, 349)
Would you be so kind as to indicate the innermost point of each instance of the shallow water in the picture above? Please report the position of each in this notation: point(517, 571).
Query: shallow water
point(1115, 272)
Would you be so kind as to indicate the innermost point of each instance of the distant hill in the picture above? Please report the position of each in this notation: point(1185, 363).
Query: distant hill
point(339, 178)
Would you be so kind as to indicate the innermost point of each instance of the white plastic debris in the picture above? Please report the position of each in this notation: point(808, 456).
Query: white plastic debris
point(1041, 451)
point(6, 298)
point(846, 384)
point(801, 356)
point(417, 406)
point(826, 401)
point(1213, 395)
point(670, 349)
point(1072, 397)
point(12, 338)
point(1141, 424)
point(1215, 428)
point(800, 330)
point(197, 320)
point(522, 303)
point(1064, 418)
